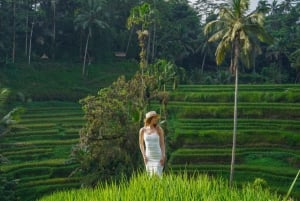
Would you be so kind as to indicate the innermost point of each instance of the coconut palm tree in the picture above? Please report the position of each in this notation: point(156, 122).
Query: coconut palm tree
point(237, 30)
point(91, 14)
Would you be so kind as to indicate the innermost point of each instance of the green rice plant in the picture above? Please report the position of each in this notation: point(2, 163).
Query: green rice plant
point(31, 171)
point(31, 151)
point(292, 186)
point(63, 171)
point(25, 179)
point(50, 163)
point(50, 181)
point(55, 119)
point(38, 156)
point(26, 193)
point(202, 96)
point(294, 95)
point(181, 187)
point(242, 87)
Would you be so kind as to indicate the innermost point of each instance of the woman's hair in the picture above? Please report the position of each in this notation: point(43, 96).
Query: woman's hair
point(147, 121)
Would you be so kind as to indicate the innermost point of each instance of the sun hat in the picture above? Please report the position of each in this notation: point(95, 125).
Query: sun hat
point(151, 114)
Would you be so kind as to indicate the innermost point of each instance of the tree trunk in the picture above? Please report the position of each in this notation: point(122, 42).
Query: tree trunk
point(153, 42)
point(235, 68)
point(54, 30)
point(203, 62)
point(26, 29)
point(129, 40)
point(85, 53)
point(14, 32)
point(148, 46)
point(30, 43)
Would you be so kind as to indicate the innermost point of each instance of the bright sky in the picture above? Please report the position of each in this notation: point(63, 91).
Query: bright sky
point(253, 3)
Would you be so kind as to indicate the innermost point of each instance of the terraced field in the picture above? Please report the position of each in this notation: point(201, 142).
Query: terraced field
point(200, 131)
point(37, 153)
point(268, 138)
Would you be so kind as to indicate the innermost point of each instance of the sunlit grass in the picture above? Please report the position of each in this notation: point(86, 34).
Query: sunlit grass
point(170, 188)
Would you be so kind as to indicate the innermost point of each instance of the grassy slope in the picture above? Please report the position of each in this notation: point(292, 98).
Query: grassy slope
point(268, 132)
point(57, 81)
point(172, 187)
point(37, 152)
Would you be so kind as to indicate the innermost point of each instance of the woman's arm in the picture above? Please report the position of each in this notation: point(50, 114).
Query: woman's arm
point(162, 145)
point(141, 142)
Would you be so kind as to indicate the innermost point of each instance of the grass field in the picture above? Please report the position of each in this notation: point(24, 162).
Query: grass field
point(180, 187)
point(44, 81)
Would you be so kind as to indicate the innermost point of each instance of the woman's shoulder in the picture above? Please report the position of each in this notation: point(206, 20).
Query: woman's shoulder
point(142, 130)
point(159, 129)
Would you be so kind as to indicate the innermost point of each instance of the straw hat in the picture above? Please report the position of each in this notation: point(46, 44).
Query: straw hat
point(151, 114)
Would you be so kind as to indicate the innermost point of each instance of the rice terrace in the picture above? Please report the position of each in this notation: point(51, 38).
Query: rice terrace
point(268, 139)
point(78, 76)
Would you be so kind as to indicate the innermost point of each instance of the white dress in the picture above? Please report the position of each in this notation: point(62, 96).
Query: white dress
point(153, 154)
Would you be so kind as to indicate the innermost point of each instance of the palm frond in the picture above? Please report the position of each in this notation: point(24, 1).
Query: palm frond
point(217, 36)
point(221, 51)
point(100, 23)
point(236, 30)
point(256, 18)
point(210, 26)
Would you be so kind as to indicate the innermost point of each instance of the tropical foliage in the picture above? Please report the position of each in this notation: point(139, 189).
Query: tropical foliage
point(44, 30)
point(108, 142)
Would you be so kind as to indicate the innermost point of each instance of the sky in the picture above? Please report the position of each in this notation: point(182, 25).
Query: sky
point(253, 3)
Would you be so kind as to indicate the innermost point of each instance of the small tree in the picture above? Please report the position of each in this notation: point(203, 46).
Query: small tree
point(108, 145)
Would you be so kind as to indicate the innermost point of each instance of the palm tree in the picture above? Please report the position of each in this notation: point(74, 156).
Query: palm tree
point(236, 29)
point(274, 7)
point(53, 4)
point(89, 16)
point(264, 6)
point(14, 32)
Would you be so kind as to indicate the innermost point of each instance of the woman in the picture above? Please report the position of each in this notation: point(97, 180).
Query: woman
point(152, 144)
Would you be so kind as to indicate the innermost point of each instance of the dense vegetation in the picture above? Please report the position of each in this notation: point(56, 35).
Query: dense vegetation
point(55, 54)
point(59, 30)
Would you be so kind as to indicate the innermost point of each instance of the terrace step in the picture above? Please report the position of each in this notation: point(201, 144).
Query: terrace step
point(200, 121)
point(39, 148)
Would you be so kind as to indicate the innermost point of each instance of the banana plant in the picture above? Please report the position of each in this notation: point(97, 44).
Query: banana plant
point(9, 120)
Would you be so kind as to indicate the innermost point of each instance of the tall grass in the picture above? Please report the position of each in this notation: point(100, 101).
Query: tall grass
point(292, 186)
point(170, 188)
